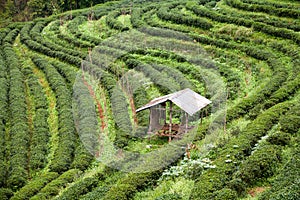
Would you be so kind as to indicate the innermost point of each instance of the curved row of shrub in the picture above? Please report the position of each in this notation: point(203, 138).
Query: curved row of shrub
point(3, 118)
point(67, 138)
point(273, 3)
point(179, 18)
point(72, 26)
point(82, 186)
point(52, 188)
point(86, 124)
point(68, 72)
point(3, 33)
point(40, 136)
point(270, 9)
point(286, 184)
point(35, 34)
point(34, 45)
point(33, 186)
point(257, 26)
point(166, 84)
point(270, 20)
point(19, 130)
point(239, 149)
point(113, 22)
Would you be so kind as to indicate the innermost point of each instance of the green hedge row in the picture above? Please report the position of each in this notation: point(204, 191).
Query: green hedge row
point(106, 79)
point(270, 9)
point(286, 91)
point(273, 3)
point(40, 137)
point(126, 187)
point(6, 193)
point(57, 54)
point(82, 158)
point(118, 101)
point(66, 71)
point(166, 85)
point(286, 185)
point(3, 118)
point(19, 130)
point(86, 123)
point(113, 22)
point(55, 186)
point(179, 18)
point(30, 30)
point(183, 67)
point(119, 106)
point(140, 99)
point(81, 187)
point(279, 77)
point(237, 150)
point(11, 36)
point(73, 28)
point(261, 165)
point(63, 155)
point(290, 123)
point(24, 33)
point(136, 18)
point(97, 193)
point(3, 33)
point(253, 104)
point(75, 41)
point(257, 26)
point(36, 35)
point(33, 186)
point(137, 15)
point(270, 20)
point(175, 74)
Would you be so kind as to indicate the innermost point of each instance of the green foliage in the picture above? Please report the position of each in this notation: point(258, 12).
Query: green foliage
point(169, 197)
point(32, 187)
point(258, 26)
point(80, 187)
point(239, 149)
point(169, 15)
point(19, 134)
point(286, 185)
point(3, 118)
point(279, 138)
point(113, 22)
point(225, 193)
point(6, 193)
point(129, 185)
point(64, 152)
point(53, 187)
point(260, 165)
point(253, 44)
point(270, 9)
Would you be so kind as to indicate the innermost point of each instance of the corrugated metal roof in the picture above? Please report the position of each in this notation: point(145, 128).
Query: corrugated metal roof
point(188, 100)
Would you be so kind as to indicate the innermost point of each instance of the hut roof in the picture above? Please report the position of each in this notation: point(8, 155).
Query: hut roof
point(188, 100)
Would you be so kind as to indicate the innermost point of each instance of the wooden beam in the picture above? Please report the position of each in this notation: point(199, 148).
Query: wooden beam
point(170, 121)
point(186, 122)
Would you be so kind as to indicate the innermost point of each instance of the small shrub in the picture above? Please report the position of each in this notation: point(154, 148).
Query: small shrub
point(174, 196)
point(279, 138)
point(225, 194)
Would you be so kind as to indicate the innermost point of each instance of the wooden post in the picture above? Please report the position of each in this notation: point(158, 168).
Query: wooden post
point(150, 124)
point(186, 122)
point(201, 116)
point(170, 122)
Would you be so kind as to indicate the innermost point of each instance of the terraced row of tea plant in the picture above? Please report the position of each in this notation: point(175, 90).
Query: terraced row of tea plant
point(71, 83)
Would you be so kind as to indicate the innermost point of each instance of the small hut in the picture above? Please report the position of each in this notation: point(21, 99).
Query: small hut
point(187, 100)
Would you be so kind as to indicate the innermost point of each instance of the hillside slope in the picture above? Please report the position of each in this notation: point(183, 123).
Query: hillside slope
point(70, 85)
